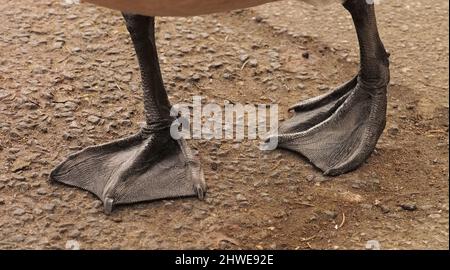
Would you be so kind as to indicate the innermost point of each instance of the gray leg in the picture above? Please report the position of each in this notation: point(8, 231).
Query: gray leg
point(338, 131)
point(149, 165)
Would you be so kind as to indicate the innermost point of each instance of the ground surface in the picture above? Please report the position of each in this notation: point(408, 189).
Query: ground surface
point(69, 79)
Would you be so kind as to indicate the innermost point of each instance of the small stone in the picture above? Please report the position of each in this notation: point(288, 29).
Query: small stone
point(18, 238)
point(73, 124)
point(384, 209)
point(426, 207)
point(435, 216)
point(97, 205)
point(393, 130)
point(41, 191)
point(330, 214)
point(373, 245)
point(244, 57)
point(275, 65)
point(279, 214)
point(253, 63)
point(49, 207)
point(58, 45)
point(216, 65)
point(408, 206)
point(322, 179)
point(93, 119)
point(310, 178)
point(195, 78)
point(227, 76)
point(258, 19)
point(241, 198)
point(214, 166)
point(72, 245)
point(187, 206)
point(37, 211)
point(74, 234)
point(67, 136)
point(18, 212)
point(20, 165)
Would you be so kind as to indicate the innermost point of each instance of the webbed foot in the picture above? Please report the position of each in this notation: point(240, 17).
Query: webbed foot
point(135, 169)
point(338, 131)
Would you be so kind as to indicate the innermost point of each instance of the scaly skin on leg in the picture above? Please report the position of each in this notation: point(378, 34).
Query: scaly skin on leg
point(149, 165)
point(338, 131)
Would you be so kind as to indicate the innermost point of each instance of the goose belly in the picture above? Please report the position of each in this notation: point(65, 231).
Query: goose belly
point(187, 7)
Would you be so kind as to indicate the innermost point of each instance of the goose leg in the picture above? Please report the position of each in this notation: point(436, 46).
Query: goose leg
point(149, 165)
point(338, 131)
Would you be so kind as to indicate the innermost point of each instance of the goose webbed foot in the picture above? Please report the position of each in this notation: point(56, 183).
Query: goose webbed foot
point(143, 167)
point(337, 131)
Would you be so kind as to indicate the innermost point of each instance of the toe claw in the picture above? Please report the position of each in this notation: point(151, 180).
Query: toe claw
point(200, 192)
point(108, 205)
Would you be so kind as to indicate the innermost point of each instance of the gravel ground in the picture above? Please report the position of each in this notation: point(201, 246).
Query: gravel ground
point(69, 79)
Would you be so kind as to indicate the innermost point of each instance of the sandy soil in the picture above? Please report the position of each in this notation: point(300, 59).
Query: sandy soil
point(69, 79)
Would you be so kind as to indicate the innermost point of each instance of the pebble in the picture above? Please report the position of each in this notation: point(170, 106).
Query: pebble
point(227, 76)
point(73, 245)
point(373, 245)
point(41, 191)
point(330, 214)
point(74, 234)
point(19, 165)
point(49, 207)
point(67, 136)
point(258, 19)
point(240, 198)
point(244, 57)
point(97, 204)
point(368, 185)
point(214, 166)
point(435, 216)
point(384, 209)
point(93, 119)
point(322, 179)
point(216, 64)
point(404, 27)
point(253, 63)
point(18, 238)
point(393, 130)
point(195, 77)
point(18, 212)
point(408, 206)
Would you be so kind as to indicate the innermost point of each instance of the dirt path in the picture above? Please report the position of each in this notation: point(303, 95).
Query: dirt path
point(69, 79)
